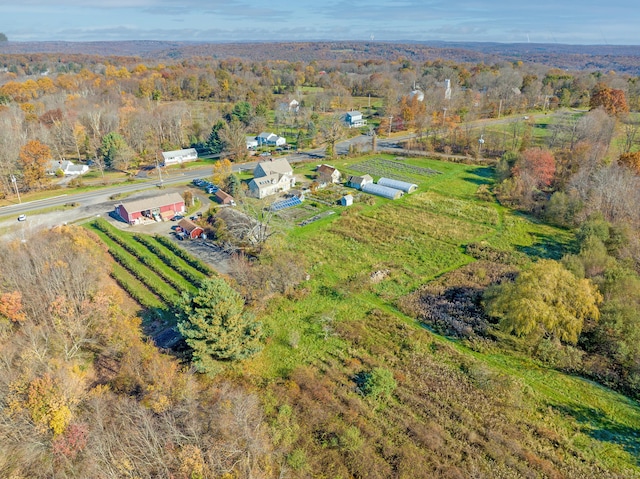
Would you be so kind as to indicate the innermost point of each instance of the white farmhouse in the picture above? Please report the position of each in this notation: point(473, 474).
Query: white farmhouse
point(176, 157)
point(354, 119)
point(67, 168)
point(271, 177)
point(270, 139)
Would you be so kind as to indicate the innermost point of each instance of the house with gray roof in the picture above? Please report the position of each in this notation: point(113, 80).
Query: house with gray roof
point(177, 157)
point(359, 181)
point(271, 177)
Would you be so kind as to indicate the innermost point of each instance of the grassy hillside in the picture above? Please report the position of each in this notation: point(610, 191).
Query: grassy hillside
point(459, 410)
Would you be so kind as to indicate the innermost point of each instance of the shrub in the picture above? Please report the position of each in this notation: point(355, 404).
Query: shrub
point(377, 384)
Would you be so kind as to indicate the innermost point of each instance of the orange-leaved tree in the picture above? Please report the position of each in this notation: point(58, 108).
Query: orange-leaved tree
point(612, 100)
point(34, 157)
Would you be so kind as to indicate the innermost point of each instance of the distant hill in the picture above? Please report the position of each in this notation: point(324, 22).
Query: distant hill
point(620, 58)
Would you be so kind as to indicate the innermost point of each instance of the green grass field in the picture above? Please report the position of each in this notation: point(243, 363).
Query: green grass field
point(342, 318)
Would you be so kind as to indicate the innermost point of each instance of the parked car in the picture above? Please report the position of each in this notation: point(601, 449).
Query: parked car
point(265, 153)
point(212, 189)
point(22, 218)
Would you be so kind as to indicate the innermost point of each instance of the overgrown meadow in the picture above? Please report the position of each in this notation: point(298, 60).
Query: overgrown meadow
point(456, 411)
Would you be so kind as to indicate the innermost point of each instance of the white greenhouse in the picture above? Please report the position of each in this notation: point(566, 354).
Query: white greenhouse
point(398, 185)
point(384, 191)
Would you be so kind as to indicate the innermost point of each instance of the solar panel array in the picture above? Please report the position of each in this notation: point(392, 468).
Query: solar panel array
point(281, 205)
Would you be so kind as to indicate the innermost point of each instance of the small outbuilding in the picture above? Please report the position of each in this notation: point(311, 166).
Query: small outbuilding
point(328, 174)
point(359, 181)
point(224, 198)
point(398, 185)
point(383, 191)
point(190, 228)
point(346, 200)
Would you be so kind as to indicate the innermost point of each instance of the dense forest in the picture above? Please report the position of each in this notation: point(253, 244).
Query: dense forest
point(509, 278)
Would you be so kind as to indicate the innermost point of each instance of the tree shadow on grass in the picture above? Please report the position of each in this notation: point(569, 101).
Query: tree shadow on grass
point(480, 176)
point(159, 325)
point(597, 425)
point(546, 247)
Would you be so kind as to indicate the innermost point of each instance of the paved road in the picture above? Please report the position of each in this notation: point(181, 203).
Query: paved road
point(103, 196)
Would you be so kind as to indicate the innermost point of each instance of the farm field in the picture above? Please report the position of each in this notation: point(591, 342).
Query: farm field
point(346, 320)
point(152, 270)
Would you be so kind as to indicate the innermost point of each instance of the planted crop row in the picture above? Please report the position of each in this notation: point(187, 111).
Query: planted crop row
point(171, 260)
point(393, 169)
point(142, 254)
point(136, 289)
point(157, 286)
point(194, 262)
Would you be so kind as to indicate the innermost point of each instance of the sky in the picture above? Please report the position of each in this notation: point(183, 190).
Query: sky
point(612, 22)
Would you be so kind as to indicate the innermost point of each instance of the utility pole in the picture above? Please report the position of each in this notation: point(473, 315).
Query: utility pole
point(159, 172)
point(390, 123)
point(15, 184)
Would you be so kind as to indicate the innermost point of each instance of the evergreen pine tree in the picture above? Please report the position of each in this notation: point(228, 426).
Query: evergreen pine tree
point(216, 326)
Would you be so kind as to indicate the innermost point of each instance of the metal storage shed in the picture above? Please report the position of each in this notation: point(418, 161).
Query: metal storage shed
point(398, 185)
point(384, 191)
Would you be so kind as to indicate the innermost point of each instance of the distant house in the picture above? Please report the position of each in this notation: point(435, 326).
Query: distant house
point(252, 143)
point(155, 208)
point(224, 198)
point(179, 156)
point(292, 106)
point(417, 94)
point(271, 177)
point(346, 200)
point(328, 174)
point(354, 119)
point(67, 168)
point(193, 230)
point(270, 139)
point(359, 181)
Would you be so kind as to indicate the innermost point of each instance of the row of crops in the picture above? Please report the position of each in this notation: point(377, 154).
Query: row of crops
point(393, 169)
point(153, 270)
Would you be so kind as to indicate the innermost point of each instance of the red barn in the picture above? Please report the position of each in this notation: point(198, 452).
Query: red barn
point(155, 208)
point(193, 230)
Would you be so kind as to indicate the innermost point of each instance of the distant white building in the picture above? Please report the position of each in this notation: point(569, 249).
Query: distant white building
point(417, 94)
point(252, 143)
point(328, 174)
point(359, 181)
point(177, 157)
point(67, 168)
point(270, 139)
point(346, 200)
point(354, 119)
point(293, 106)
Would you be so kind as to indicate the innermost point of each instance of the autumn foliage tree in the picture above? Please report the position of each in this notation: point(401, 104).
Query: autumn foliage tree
point(34, 157)
point(546, 300)
point(538, 164)
point(612, 100)
point(631, 160)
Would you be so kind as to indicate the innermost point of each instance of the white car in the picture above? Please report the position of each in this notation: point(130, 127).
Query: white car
point(22, 218)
